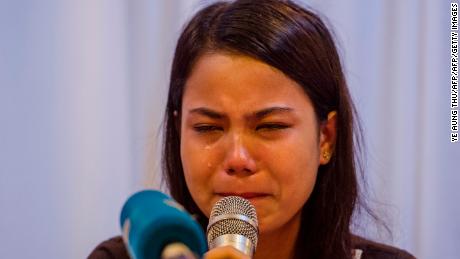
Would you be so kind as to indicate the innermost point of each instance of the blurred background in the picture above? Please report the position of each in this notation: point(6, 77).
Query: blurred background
point(83, 84)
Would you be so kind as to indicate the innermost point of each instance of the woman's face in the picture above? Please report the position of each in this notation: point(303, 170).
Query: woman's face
point(249, 130)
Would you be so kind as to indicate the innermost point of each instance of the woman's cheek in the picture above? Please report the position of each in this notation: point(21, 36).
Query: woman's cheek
point(199, 166)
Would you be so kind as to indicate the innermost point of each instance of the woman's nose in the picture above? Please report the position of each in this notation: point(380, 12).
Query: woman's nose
point(238, 158)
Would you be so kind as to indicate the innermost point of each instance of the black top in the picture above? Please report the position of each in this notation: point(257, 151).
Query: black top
point(114, 248)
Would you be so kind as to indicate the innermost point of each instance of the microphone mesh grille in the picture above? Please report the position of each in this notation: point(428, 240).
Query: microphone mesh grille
point(233, 205)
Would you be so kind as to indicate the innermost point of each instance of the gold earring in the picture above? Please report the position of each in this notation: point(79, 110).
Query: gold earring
point(327, 155)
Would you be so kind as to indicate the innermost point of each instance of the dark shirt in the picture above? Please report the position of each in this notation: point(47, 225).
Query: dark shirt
point(114, 248)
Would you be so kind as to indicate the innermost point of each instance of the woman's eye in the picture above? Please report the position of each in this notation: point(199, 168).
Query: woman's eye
point(272, 126)
point(206, 128)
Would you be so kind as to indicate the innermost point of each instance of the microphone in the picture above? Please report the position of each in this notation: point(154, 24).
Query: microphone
point(156, 226)
point(233, 222)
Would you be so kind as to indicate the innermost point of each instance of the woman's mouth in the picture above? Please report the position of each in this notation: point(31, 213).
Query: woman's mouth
point(246, 195)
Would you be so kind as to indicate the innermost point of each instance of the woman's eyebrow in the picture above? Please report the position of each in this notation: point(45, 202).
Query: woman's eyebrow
point(207, 112)
point(255, 115)
point(270, 110)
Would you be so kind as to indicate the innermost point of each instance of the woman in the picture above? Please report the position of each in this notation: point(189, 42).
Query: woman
point(258, 107)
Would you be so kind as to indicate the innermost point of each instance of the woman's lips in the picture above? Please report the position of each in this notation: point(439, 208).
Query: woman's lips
point(246, 195)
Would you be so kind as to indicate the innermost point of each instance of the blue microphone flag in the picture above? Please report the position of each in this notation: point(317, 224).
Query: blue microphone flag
point(151, 220)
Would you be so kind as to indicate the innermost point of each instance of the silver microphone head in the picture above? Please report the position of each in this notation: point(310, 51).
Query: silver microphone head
point(233, 222)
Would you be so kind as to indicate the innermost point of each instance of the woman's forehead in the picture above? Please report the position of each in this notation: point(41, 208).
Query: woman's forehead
point(237, 78)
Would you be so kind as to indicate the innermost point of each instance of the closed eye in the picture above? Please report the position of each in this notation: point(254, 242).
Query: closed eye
point(203, 128)
point(272, 126)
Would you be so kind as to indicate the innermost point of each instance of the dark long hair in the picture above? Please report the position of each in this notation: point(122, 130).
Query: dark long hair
point(294, 40)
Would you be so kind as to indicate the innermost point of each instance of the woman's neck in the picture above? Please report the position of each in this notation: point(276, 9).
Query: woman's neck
point(279, 243)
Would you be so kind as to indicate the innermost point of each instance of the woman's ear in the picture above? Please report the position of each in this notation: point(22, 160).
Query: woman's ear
point(327, 137)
